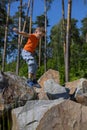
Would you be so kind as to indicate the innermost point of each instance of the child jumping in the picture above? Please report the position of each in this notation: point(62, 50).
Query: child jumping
point(28, 52)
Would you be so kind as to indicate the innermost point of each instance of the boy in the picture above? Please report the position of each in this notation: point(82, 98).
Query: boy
point(28, 52)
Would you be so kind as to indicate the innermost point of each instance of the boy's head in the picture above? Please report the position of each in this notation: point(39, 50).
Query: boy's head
point(40, 32)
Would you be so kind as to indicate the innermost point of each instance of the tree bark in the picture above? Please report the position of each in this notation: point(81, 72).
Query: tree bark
point(31, 13)
point(45, 56)
point(25, 19)
point(5, 38)
point(68, 38)
point(19, 38)
point(40, 53)
point(64, 29)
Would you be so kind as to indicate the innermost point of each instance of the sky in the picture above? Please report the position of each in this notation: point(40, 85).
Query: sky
point(79, 11)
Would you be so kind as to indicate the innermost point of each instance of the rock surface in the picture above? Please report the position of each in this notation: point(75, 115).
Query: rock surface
point(28, 117)
point(79, 90)
point(50, 74)
point(54, 90)
point(51, 107)
point(73, 85)
point(14, 91)
point(50, 115)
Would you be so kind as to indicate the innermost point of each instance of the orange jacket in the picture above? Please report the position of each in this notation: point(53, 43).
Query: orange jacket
point(31, 43)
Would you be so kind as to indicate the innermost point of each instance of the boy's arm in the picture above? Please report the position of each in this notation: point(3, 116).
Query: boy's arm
point(21, 33)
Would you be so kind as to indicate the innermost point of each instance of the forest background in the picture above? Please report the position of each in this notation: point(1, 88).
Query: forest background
point(50, 55)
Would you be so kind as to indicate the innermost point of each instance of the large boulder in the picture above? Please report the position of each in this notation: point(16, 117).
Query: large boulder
point(29, 116)
point(73, 85)
point(50, 115)
point(81, 93)
point(50, 74)
point(55, 90)
point(45, 113)
point(14, 91)
point(78, 89)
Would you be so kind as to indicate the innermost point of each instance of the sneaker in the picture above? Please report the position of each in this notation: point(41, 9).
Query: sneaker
point(30, 83)
point(36, 83)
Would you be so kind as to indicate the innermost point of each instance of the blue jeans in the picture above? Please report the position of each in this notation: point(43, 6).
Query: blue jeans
point(30, 60)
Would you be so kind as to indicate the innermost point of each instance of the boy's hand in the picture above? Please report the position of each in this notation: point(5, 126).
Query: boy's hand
point(15, 30)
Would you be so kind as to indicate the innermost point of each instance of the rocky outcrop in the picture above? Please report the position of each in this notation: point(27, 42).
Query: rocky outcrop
point(29, 116)
point(54, 90)
point(73, 85)
point(50, 115)
point(14, 91)
point(52, 107)
point(78, 89)
point(50, 74)
point(49, 83)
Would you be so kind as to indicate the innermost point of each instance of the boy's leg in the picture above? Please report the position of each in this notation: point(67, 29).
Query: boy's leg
point(28, 57)
point(30, 76)
point(36, 84)
point(32, 67)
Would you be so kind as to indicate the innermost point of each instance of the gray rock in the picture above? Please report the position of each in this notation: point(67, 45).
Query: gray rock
point(54, 90)
point(14, 90)
point(50, 115)
point(28, 117)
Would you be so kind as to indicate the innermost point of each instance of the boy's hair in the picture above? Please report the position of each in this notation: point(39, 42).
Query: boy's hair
point(41, 29)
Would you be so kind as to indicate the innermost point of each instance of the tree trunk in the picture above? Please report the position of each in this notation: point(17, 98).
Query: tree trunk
point(45, 56)
point(64, 29)
point(5, 38)
point(68, 38)
point(86, 37)
point(25, 19)
point(31, 13)
point(19, 39)
point(39, 53)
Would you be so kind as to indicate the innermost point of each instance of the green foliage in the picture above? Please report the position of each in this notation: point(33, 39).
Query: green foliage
point(78, 52)
point(84, 28)
point(49, 2)
point(23, 71)
point(40, 21)
point(2, 22)
point(53, 64)
point(40, 72)
point(78, 61)
point(11, 67)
